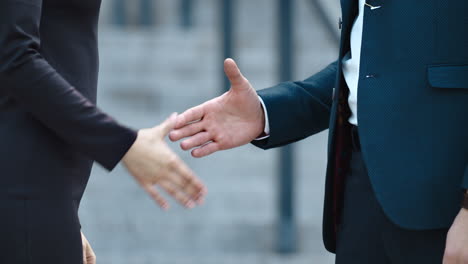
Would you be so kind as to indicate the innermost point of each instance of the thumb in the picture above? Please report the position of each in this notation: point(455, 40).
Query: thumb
point(85, 259)
point(83, 243)
point(90, 256)
point(234, 75)
point(168, 125)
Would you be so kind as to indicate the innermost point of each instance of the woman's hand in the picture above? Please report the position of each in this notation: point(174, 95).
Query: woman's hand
point(153, 163)
point(88, 254)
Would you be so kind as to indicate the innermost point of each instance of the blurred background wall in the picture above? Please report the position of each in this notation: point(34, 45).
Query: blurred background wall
point(158, 58)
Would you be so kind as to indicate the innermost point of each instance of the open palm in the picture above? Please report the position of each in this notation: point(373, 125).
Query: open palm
point(230, 120)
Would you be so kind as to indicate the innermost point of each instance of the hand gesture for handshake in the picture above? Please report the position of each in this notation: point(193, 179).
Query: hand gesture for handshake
point(152, 163)
point(228, 121)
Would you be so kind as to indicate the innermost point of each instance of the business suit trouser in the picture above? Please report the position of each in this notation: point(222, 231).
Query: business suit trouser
point(367, 236)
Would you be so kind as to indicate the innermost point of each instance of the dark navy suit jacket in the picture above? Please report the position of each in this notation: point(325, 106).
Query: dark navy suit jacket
point(413, 111)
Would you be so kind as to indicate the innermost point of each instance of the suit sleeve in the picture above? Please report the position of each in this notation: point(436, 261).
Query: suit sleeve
point(465, 179)
point(297, 110)
point(26, 76)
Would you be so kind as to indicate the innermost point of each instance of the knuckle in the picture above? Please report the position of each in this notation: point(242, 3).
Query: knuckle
point(173, 162)
point(198, 185)
point(205, 137)
point(183, 198)
point(172, 192)
point(189, 179)
point(192, 181)
point(220, 137)
point(191, 192)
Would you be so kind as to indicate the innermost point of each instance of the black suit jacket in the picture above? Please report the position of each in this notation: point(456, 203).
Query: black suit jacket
point(50, 128)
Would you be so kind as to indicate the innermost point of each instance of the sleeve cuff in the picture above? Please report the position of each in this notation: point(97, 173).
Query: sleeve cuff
point(266, 130)
point(118, 151)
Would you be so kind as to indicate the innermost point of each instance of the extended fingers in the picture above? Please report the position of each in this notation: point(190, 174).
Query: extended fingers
point(154, 194)
point(196, 141)
point(169, 124)
point(177, 194)
point(194, 188)
point(186, 131)
point(193, 114)
point(206, 150)
point(186, 180)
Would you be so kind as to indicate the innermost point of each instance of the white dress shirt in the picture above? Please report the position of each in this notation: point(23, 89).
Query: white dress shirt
point(351, 63)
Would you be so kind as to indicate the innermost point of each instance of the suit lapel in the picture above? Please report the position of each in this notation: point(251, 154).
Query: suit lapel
point(349, 11)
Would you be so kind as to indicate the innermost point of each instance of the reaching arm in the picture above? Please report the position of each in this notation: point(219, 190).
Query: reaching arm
point(27, 77)
point(236, 118)
point(297, 110)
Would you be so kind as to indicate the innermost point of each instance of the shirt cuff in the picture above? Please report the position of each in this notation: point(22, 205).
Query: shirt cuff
point(266, 130)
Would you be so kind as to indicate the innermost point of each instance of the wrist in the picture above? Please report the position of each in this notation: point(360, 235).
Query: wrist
point(130, 153)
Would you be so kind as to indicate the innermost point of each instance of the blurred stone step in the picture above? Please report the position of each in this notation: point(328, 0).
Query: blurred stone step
point(216, 259)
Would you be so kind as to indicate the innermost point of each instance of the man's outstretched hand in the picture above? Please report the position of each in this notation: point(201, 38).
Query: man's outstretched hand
point(153, 163)
point(228, 121)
